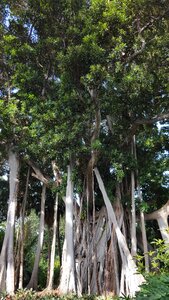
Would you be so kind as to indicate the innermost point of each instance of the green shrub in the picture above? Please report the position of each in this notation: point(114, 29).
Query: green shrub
point(24, 294)
point(155, 288)
point(159, 258)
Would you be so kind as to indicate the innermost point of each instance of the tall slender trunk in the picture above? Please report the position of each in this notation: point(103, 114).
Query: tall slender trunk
point(33, 283)
point(144, 235)
point(7, 253)
point(58, 238)
point(88, 244)
point(52, 253)
point(22, 232)
point(67, 282)
point(142, 218)
point(17, 251)
point(129, 270)
point(50, 235)
point(3, 257)
point(133, 210)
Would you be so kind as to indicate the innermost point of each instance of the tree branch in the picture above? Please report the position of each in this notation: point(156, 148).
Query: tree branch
point(39, 175)
point(140, 30)
point(156, 118)
point(164, 210)
point(135, 125)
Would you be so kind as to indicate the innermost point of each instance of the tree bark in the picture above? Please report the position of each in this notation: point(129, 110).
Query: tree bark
point(144, 235)
point(20, 285)
point(7, 253)
point(33, 283)
point(142, 218)
point(133, 209)
point(163, 226)
point(52, 254)
point(129, 270)
point(67, 282)
point(161, 216)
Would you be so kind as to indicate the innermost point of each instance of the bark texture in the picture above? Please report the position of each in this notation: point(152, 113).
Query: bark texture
point(52, 253)
point(7, 270)
point(161, 216)
point(67, 282)
point(130, 279)
point(33, 283)
point(22, 217)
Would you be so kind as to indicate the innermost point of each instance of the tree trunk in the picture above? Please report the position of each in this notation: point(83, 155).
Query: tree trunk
point(161, 215)
point(3, 257)
point(144, 235)
point(67, 282)
point(50, 235)
point(142, 218)
point(163, 226)
point(22, 232)
point(143, 226)
point(84, 257)
point(58, 238)
point(129, 270)
point(33, 283)
point(52, 254)
point(17, 252)
point(133, 211)
point(8, 244)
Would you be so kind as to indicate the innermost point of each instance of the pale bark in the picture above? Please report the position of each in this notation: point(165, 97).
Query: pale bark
point(8, 244)
point(144, 235)
point(142, 218)
point(52, 253)
point(85, 260)
point(133, 210)
point(58, 239)
point(161, 216)
point(133, 218)
point(163, 226)
point(41, 177)
point(3, 258)
point(119, 213)
point(52, 250)
point(33, 283)
point(22, 232)
point(67, 283)
point(132, 279)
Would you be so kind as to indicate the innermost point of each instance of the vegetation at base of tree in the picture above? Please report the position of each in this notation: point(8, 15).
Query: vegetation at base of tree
point(155, 288)
point(30, 295)
point(157, 281)
point(159, 257)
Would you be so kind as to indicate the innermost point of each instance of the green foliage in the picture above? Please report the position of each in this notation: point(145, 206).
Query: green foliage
point(25, 295)
point(96, 145)
point(159, 258)
point(30, 295)
point(157, 282)
point(143, 206)
point(118, 169)
point(155, 288)
point(31, 236)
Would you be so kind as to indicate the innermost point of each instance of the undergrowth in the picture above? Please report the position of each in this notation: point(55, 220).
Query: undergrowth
point(31, 295)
